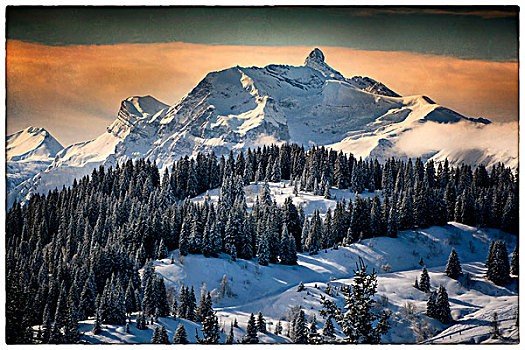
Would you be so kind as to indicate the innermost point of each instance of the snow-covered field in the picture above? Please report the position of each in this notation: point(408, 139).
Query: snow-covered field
point(273, 289)
point(284, 189)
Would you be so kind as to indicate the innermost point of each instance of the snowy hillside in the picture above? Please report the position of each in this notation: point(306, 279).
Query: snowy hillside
point(242, 107)
point(396, 259)
point(284, 189)
point(29, 152)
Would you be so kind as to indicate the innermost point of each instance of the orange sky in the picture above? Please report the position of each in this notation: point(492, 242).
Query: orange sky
point(75, 91)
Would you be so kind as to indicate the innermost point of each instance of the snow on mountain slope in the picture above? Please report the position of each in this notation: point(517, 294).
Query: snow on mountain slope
point(273, 289)
point(243, 107)
point(130, 136)
point(29, 152)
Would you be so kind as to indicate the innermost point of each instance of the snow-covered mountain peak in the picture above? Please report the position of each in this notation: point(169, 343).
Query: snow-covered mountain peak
point(316, 55)
point(31, 143)
point(135, 111)
point(142, 106)
point(316, 61)
point(28, 152)
point(241, 107)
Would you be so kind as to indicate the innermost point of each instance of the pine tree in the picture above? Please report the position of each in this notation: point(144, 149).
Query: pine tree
point(313, 241)
point(442, 306)
point(431, 305)
point(190, 304)
point(184, 239)
point(300, 329)
point(358, 320)
point(288, 252)
point(96, 325)
point(301, 287)
point(174, 307)
point(180, 336)
point(87, 305)
point(204, 309)
point(261, 323)
point(141, 321)
point(162, 250)
point(263, 253)
point(251, 332)
point(278, 328)
point(328, 329)
point(130, 302)
point(392, 223)
point(155, 297)
point(155, 339)
point(71, 331)
point(313, 335)
point(453, 269)
point(230, 337)
point(495, 329)
point(498, 268)
point(163, 336)
point(424, 280)
point(224, 289)
point(514, 262)
point(210, 330)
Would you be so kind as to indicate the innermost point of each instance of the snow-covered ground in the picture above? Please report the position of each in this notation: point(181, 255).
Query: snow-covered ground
point(273, 289)
point(284, 189)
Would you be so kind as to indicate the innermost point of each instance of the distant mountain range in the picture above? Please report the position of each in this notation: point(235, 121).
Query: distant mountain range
point(29, 152)
point(242, 107)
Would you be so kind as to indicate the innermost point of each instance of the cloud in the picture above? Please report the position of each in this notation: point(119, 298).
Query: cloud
point(499, 140)
point(75, 91)
point(483, 13)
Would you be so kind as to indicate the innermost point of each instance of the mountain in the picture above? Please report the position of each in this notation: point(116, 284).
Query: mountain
point(243, 107)
point(28, 152)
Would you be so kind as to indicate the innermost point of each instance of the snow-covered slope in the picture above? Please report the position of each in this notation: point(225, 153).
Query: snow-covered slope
point(284, 189)
point(273, 289)
point(243, 107)
point(29, 152)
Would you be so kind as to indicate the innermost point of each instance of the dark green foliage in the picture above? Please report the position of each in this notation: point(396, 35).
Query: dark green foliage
point(141, 321)
point(424, 280)
point(498, 269)
point(300, 329)
point(160, 336)
point(453, 269)
point(278, 328)
point(204, 309)
point(515, 262)
point(431, 305)
point(210, 330)
point(261, 323)
point(328, 329)
point(358, 320)
point(442, 306)
point(251, 332)
point(96, 326)
point(313, 336)
point(155, 297)
point(180, 336)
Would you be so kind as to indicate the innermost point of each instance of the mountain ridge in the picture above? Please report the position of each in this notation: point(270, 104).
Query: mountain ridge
point(241, 107)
